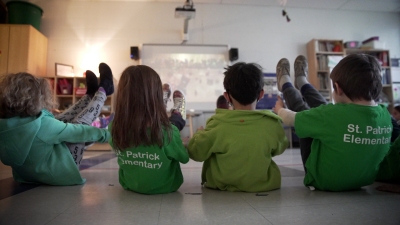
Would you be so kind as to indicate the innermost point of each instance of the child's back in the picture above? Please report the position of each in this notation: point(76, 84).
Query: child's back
point(349, 143)
point(149, 148)
point(32, 141)
point(341, 144)
point(237, 145)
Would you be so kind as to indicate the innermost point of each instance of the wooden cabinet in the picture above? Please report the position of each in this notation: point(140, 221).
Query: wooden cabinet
point(323, 55)
point(22, 49)
point(383, 57)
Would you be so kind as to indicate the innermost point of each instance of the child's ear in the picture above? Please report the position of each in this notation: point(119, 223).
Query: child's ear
point(226, 96)
point(338, 90)
point(261, 95)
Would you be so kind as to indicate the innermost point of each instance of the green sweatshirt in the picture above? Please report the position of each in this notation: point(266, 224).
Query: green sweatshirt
point(151, 169)
point(237, 147)
point(349, 143)
point(35, 148)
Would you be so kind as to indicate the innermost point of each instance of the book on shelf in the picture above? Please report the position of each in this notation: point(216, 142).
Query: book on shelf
point(383, 58)
point(386, 78)
point(324, 81)
point(322, 62)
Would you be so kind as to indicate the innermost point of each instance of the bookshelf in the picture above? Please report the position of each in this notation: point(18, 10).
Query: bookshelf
point(68, 90)
point(323, 55)
point(383, 57)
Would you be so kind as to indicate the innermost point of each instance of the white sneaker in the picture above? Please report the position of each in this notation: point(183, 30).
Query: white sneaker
point(179, 103)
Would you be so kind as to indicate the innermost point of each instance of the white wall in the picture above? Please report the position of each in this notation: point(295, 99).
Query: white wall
point(84, 33)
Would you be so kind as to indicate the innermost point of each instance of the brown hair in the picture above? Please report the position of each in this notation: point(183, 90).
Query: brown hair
point(359, 76)
point(24, 95)
point(140, 114)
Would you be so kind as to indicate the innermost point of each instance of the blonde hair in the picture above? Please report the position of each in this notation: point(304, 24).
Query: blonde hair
point(24, 95)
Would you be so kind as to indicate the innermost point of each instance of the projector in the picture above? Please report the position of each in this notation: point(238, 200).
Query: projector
point(187, 13)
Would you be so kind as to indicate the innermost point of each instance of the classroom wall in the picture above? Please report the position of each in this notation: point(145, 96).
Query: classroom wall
point(84, 33)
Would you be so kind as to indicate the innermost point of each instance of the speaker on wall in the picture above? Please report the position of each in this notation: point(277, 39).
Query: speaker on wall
point(233, 54)
point(135, 52)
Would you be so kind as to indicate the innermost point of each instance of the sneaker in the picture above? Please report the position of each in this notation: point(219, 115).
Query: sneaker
point(166, 93)
point(179, 103)
point(300, 68)
point(282, 68)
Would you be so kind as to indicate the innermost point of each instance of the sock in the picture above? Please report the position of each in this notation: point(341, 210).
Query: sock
point(102, 89)
point(286, 85)
point(300, 81)
point(106, 78)
point(284, 79)
point(91, 83)
point(305, 87)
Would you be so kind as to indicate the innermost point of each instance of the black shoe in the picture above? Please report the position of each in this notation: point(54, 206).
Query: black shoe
point(92, 84)
point(106, 78)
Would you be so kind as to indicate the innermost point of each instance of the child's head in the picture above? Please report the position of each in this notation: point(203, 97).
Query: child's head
point(396, 112)
point(140, 113)
point(359, 77)
point(24, 95)
point(244, 82)
point(222, 103)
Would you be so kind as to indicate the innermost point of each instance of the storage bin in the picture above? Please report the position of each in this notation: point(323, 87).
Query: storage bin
point(21, 12)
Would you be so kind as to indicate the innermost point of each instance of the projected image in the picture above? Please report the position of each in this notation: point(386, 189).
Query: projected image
point(199, 76)
point(195, 70)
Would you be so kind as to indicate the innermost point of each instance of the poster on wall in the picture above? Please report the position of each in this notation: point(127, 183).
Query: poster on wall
point(196, 70)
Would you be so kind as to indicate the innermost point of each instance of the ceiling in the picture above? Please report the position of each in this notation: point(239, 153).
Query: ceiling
point(346, 5)
point(352, 5)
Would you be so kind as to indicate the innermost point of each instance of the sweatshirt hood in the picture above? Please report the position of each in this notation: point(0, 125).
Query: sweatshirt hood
point(233, 116)
point(16, 138)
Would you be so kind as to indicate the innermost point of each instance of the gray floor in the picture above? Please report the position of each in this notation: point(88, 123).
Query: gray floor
point(102, 201)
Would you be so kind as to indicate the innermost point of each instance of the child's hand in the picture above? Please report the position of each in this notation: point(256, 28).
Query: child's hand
point(185, 140)
point(200, 128)
point(278, 105)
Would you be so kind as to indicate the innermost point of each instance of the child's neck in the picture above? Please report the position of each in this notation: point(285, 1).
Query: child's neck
point(359, 102)
point(238, 106)
point(365, 102)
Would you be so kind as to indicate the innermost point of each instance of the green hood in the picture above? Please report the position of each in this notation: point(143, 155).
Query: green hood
point(236, 116)
point(16, 138)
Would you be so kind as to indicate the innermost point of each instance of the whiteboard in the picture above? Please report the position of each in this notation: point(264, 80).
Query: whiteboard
point(196, 70)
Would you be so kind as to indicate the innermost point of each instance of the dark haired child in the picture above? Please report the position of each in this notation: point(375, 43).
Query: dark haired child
point(396, 113)
point(237, 145)
point(341, 144)
point(147, 142)
point(39, 147)
point(222, 103)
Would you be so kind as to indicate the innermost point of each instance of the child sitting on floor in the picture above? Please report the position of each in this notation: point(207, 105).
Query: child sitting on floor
point(39, 147)
point(237, 145)
point(147, 142)
point(341, 144)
